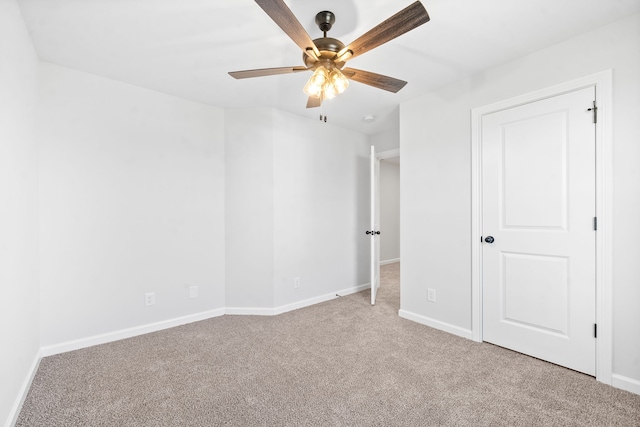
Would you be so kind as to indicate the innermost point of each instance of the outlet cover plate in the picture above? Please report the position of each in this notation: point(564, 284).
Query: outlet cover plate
point(149, 299)
point(193, 291)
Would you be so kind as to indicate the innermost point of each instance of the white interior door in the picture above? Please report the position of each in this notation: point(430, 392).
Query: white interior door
point(538, 208)
point(374, 231)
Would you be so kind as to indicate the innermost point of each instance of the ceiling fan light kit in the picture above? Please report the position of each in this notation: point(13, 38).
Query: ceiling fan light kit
point(326, 85)
point(327, 56)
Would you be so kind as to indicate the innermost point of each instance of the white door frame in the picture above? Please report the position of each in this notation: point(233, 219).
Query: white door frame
point(374, 213)
point(604, 193)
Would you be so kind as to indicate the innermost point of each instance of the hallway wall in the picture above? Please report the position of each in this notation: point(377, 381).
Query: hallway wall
point(389, 211)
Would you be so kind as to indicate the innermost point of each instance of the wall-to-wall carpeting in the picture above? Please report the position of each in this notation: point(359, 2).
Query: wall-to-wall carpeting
point(340, 363)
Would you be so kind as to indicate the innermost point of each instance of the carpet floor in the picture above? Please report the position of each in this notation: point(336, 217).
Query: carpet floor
point(339, 363)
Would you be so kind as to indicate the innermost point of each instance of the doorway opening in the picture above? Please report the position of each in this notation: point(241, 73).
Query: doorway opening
point(387, 212)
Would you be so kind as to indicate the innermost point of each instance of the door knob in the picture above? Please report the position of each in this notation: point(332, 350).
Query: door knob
point(489, 239)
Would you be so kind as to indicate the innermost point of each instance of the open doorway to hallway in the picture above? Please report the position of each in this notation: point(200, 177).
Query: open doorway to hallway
point(388, 208)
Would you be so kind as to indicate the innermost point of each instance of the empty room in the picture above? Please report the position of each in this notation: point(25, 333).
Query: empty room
point(338, 212)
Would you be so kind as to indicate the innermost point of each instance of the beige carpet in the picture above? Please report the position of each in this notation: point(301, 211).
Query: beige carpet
point(340, 363)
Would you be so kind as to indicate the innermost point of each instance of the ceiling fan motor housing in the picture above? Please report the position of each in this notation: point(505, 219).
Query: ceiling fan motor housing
point(328, 48)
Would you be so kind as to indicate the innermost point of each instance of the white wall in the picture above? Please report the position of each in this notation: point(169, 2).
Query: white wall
point(321, 178)
point(131, 201)
point(435, 139)
point(296, 204)
point(389, 211)
point(19, 303)
point(385, 141)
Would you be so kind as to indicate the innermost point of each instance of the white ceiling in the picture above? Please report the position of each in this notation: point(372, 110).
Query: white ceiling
point(186, 47)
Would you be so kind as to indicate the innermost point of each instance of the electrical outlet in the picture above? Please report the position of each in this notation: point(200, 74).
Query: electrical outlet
point(431, 295)
point(193, 291)
point(296, 282)
point(149, 299)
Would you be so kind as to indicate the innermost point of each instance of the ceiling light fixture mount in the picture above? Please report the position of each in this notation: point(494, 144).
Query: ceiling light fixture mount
point(325, 20)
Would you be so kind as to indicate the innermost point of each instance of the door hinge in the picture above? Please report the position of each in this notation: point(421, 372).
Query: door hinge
point(595, 112)
point(595, 223)
point(595, 330)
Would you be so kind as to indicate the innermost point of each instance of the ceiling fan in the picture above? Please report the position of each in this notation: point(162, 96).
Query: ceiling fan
point(327, 56)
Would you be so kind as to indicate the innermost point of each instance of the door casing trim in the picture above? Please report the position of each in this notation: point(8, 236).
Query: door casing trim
point(603, 83)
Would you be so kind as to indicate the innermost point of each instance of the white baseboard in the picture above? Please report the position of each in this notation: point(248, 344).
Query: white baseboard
point(389, 261)
point(319, 299)
point(436, 324)
point(165, 324)
point(259, 311)
point(127, 333)
point(304, 303)
point(353, 290)
point(625, 383)
point(249, 311)
point(24, 389)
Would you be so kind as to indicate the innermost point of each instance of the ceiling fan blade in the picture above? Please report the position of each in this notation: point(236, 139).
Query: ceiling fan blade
point(265, 72)
point(287, 21)
point(404, 21)
point(376, 80)
point(314, 102)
